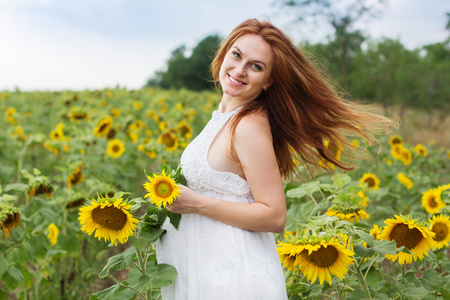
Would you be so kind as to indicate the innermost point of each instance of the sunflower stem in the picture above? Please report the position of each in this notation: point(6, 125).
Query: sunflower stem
point(135, 289)
point(362, 281)
point(370, 266)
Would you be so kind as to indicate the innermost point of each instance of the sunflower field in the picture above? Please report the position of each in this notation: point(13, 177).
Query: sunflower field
point(77, 170)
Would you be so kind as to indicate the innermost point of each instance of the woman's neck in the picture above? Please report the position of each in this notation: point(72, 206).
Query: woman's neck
point(228, 104)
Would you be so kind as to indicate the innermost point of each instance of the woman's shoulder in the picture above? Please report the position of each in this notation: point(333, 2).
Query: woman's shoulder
point(253, 125)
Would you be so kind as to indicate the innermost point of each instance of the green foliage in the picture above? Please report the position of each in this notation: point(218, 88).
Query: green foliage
point(189, 72)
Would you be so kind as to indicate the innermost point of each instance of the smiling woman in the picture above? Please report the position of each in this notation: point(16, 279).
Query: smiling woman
point(275, 109)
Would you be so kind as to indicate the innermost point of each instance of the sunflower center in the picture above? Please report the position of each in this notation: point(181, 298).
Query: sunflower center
point(168, 140)
point(441, 231)
point(323, 257)
point(396, 141)
point(116, 148)
point(163, 189)
point(110, 217)
point(432, 201)
point(404, 236)
point(370, 182)
point(103, 128)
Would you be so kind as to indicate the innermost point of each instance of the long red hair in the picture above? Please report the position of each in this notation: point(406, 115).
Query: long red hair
point(303, 108)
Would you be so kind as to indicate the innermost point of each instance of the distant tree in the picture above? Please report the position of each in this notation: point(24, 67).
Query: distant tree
point(188, 72)
point(341, 15)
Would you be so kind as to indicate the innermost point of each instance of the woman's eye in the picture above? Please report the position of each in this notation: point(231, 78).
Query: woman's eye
point(256, 67)
point(236, 54)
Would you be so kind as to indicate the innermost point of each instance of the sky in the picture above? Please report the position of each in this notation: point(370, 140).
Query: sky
point(50, 45)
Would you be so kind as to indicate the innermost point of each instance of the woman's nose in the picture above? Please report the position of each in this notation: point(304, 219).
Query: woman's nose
point(241, 68)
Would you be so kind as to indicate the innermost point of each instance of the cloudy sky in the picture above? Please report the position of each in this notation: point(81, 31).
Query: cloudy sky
point(95, 44)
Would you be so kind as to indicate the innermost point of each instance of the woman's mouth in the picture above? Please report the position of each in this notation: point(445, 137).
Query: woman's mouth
point(235, 81)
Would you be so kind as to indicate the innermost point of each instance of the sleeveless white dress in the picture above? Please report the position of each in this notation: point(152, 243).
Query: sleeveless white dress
point(216, 261)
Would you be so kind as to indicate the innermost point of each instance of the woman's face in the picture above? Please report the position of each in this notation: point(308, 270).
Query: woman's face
point(247, 68)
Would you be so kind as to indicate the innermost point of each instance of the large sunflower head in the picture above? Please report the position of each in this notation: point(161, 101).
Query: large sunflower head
point(407, 232)
point(405, 180)
point(371, 180)
point(115, 148)
point(316, 258)
point(103, 126)
point(110, 218)
point(440, 225)
point(162, 189)
point(431, 200)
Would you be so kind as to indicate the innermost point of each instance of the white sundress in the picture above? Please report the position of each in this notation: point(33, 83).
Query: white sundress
point(216, 261)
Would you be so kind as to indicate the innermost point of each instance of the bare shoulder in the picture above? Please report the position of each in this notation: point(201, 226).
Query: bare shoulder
point(253, 126)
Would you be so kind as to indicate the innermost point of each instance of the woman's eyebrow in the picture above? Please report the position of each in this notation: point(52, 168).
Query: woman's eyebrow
point(257, 61)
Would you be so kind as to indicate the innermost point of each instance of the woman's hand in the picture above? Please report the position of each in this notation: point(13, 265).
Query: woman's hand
point(188, 202)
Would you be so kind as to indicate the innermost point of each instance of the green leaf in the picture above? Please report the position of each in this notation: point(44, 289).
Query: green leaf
point(173, 217)
point(3, 264)
point(3, 295)
point(12, 278)
point(151, 175)
point(308, 188)
point(16, 187)
point(362, 251)
point(118, 262)
point(368, 238)
point(430, 280)
point(341, 179)
point(157, 277)
point(384, 247)
point(151, 233)
point(412, 292)
point(107, 293)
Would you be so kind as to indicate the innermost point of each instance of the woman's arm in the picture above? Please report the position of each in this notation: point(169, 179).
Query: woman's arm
point(253, 146)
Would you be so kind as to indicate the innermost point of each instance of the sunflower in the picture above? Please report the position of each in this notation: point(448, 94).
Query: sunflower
point(371, 179)
point(408, 233)
point(395, 140)
point(78, 116)
point(364, 200)
point(115, 148)
point(39, 188)
point(421, 150)
point(316, 259)
point(185, 129)
point(115, 112)
point(349, 214)
point(76, 177)
point(103, 127)
point(110, 218)
point(406, 181)
point(9, 219)
point(440, 225)
point(375, 231)
point(405, 156)
point(169, 140)
point(75, 203)
point(162, 189)
point(50, 147)
point(432, 201)
point(53, 233)
point(448, 154)
point(58, 133)
point(335, 151)
point(150, 152)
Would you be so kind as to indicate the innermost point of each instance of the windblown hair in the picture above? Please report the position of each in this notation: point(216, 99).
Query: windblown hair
point(303, 107)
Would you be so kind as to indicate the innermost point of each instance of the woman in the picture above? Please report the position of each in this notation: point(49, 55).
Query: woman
point(275, 108)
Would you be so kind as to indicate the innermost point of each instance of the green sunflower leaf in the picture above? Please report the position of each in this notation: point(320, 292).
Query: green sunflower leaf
point(106, 294)
point(157, 277)
point(118, 262)
point(173, 217)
